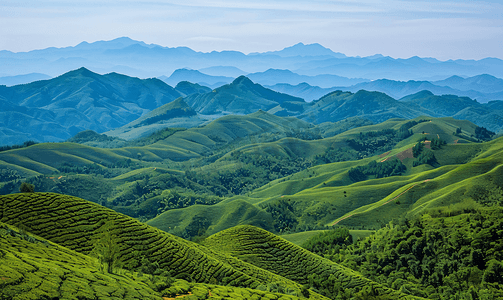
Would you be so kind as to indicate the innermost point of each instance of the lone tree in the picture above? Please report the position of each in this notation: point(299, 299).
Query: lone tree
point(26, 187)
point(106, 248)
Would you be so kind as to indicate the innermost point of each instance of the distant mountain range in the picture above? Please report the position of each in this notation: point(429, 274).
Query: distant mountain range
point(196, 77)
point(135, 58)
point(483, 87)
point(22, 79)
point(127, 107)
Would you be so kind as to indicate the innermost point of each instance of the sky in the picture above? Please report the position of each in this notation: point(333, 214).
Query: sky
point(444, 29)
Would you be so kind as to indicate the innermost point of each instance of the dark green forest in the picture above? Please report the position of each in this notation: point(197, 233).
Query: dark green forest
point(448, 253)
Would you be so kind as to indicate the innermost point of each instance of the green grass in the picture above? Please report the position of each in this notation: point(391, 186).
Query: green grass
point(207, 220)
point(74, 223)
point(456, 183)
point(33, 268)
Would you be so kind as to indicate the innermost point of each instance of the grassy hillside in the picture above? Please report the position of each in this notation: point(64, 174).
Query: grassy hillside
point(267, 251)
point(281, 167)
point(375, 106)
point(472, 180)
point(173, 114)
point(199, 220)
point(81, 225)
point(34, 268)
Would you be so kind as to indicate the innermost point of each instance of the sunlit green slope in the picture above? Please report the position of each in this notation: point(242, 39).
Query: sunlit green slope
point(34, 268)
point(270, 252)
point(76, 224)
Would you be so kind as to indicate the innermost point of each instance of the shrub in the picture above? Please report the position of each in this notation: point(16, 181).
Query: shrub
point(27, 188)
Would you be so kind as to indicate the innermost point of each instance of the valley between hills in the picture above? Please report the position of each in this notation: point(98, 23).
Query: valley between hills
point(115, 187)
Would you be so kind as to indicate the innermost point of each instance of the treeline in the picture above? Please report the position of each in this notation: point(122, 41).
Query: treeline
point(373, 142)
point(107, 170)
point(378, 169)
point(304, 134)
point(285, 216)
point(426, 156)
point(8, 175)
point(171, 199)
point(329, 240)
point(94, 139)
point(483, 134)
point(434, 256)
point(23, 145)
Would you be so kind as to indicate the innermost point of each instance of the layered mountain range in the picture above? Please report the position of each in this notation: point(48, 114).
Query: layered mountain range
point(135, 58)
point(58, 108)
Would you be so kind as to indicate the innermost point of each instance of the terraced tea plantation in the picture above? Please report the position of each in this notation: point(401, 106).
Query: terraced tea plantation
point(75, 226)
point(270, 252)
point(63, 233)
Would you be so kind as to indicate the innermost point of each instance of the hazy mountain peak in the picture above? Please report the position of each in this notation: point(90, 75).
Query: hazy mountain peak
point(243, 80)
point(82, 71)
point(301, 49)
point(118, 43)
point(419, 95)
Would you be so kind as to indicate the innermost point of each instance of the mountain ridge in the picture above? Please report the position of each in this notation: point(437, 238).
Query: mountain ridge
point(137, 59)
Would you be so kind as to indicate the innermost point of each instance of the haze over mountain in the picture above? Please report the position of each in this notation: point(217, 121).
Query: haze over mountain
point(304, 50)
point(273, 76)
point(135, 58)
point(196, 76)
point(22, 79)
point(302, 90)
point(484, 88)
point(56, 109)
point(483, 83)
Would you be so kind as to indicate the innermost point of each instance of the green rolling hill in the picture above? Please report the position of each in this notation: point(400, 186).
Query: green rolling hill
point(63, 227)
point(173, 114)
point(40, 269)
point(326, 194)
point(80, 225)
point(276, 173)
point(204, 220)
point(35, 268)
point(235, 159)
point(265, 250)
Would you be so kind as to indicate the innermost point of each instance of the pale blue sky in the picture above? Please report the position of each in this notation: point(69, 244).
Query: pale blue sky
point(440, 29)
